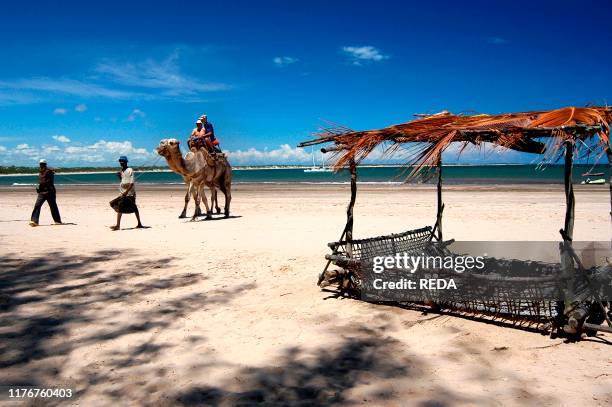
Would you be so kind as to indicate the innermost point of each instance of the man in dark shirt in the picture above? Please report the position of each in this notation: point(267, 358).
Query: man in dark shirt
point(209, 135)
point(46, 192)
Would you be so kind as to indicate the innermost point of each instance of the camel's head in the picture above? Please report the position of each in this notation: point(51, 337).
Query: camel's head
point(169, 147)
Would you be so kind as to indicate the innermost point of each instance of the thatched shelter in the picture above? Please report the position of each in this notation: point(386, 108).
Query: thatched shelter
point(430, 135)
point(556, 134)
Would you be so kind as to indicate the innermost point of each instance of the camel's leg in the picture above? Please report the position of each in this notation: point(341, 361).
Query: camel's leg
point(226, 188)
point(196, 191)
point(217, 202)
point(220, 175)
point(184, 213)
point(196, 198)
point(214, 199)
point(202, 192)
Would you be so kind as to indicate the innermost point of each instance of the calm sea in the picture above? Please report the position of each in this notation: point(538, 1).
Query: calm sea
point(476, 174)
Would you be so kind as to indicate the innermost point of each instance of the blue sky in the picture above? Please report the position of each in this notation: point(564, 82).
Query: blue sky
point(81, 84)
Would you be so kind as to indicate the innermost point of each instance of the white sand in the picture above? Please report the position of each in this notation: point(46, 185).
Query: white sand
point(220, 311)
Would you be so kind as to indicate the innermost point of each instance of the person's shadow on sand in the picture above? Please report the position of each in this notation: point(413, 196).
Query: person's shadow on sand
point(220, 218)
point(59, 224)
point(132, 228)
point(135, 228)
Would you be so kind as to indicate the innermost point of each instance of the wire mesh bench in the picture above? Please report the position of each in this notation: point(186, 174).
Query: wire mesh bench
point(355, 257)
point(351, 254)
point(519, 292)
point(523, 293)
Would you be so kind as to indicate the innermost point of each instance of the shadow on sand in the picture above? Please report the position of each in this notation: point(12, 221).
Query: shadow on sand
point(55, 306)
point(321, 377)
point(113, 327)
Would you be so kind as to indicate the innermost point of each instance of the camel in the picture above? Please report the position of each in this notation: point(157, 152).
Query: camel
point(199, 169)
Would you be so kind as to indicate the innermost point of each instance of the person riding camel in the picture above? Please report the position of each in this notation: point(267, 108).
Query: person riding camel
point(196, 139)
point(211, 142)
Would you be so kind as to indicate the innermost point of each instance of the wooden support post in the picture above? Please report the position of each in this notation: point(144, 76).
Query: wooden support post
point(349, 209)
point(609, 155)
point(440, 204)
point(348, 228)
point(568, 231)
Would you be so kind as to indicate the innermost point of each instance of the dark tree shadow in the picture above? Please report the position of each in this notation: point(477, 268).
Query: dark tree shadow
point(52, 305)
point(362, 357)
point(319, 377)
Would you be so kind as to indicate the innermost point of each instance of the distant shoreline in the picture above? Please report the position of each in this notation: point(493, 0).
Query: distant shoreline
point(32, 171)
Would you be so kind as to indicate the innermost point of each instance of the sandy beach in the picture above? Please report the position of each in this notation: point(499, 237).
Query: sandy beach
point(228, 311)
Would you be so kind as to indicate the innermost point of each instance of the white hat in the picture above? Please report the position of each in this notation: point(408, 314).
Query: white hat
point(199, 122)
point(203, 116)
point(43, 161)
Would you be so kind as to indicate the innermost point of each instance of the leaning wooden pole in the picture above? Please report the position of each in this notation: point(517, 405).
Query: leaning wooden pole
point(440, 204)
point(349, 209)
point(568, 231)
point(609, 155)
point(349, 221)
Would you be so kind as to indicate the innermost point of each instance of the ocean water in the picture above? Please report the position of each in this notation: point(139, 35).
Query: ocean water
point(470, 174)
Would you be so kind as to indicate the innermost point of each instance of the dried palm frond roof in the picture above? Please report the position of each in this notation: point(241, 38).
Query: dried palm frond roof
point(430, 135)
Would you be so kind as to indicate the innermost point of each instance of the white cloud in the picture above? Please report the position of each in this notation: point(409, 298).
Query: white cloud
point(367, 53)
point(496, 40)
point(66, 87)
point(106, 151)
point(284, 61)
point(80, 108)
point(284, 154)
point(163, 75)
point(60, 110)
point(136, 113)
point(25, 151)
point(16, 97)
point(2, 149)
point(61, 138)
point(150, 79)
point(50, 149)
point(101, 152)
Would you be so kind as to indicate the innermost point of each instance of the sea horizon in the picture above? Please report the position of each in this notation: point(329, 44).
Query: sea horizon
point(113, 169)
point(376, 174)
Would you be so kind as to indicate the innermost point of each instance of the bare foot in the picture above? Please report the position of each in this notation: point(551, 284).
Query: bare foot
point(139, 226)
point(114, 228)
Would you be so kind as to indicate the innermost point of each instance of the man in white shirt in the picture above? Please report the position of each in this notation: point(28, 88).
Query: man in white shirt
point(126, 202)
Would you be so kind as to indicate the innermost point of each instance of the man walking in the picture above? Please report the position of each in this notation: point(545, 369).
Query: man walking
point(46, 192)
point(126, 202)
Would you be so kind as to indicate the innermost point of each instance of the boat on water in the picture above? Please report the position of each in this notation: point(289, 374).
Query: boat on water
point(316, 168)
point(596, 181)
